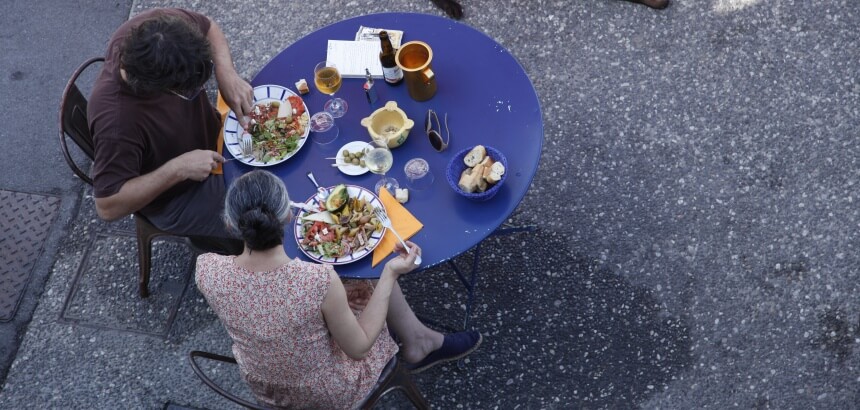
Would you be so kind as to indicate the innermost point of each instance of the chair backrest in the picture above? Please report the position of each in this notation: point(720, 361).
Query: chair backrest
point(73, 120)
point(206, 380)
point(393, 377)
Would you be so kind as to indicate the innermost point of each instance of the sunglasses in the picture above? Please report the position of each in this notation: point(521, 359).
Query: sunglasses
point(188, 95)
point(204, 71)
point(436, 136)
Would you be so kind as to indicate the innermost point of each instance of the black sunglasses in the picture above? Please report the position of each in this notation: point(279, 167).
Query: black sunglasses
point(188, 95)
point(436, 136)
point(204, 72)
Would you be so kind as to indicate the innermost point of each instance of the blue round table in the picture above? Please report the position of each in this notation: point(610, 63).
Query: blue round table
point(489, 100)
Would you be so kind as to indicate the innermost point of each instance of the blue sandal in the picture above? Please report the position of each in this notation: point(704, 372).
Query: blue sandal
point(454, 346)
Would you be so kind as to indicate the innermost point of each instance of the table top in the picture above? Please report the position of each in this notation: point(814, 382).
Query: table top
point(489, 100)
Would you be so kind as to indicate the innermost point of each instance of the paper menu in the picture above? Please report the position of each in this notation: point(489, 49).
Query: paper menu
point(352, 57)
point(372, 34)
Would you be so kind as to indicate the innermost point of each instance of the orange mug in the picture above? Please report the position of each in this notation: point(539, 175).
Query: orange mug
point(414, 59)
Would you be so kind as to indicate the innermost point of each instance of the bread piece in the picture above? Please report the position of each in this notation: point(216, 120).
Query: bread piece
point(482, 184)
point(475, 156)
point(478, 175)
point(402, 195)
point(465, 179)
point(486, 171)
point(498, 168)
point(302, 86)
point(469, 182)
point(488, 161)
point(496, 172)
point(465, 174)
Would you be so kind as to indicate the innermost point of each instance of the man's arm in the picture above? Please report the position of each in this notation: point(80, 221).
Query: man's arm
point(139, 191)
point(237, 93)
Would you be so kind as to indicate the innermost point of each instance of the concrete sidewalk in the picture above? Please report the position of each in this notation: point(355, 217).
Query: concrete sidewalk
point(697, 242)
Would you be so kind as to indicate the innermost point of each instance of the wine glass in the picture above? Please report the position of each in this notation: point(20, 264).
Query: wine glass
point(328, 81)
point(378, 160)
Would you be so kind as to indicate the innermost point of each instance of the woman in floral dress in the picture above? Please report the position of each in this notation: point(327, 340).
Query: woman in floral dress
point(302, 337)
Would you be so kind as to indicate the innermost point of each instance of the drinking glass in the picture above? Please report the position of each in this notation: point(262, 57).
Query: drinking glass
point(328, 81)
point(418, 175)
point(324, 129)
point(379, 160)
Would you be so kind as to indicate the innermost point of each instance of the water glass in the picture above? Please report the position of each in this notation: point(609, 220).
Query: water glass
point(324, 129)
point(418, 175)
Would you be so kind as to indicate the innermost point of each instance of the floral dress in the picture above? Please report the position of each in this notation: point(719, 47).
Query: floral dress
point(280, 339)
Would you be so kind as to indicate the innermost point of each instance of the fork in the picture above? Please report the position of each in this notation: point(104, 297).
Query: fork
point(386, 222)
point(247, 145)
point(246, 148)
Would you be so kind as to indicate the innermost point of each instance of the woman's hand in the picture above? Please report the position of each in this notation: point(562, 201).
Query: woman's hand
point(404, 262)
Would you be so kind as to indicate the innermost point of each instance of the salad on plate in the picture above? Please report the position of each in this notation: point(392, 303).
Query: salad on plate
point(344, 227)
point(277, 128)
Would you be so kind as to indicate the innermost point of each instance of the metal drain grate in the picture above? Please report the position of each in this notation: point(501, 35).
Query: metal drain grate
point(25, 220)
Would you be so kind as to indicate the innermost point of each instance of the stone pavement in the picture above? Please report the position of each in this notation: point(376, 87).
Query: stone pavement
point(697, 241)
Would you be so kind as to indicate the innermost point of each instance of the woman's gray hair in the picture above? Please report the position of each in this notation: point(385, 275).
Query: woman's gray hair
point(256, 208)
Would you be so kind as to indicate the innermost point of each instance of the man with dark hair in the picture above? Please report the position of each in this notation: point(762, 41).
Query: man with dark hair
point(154, 129)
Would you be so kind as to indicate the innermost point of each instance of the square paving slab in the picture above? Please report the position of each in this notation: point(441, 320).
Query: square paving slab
point(25, 220)
point(105, 292)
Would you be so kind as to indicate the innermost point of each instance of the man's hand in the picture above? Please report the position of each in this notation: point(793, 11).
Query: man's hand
point(196, 165)
point(139, 191)
point(237, 93)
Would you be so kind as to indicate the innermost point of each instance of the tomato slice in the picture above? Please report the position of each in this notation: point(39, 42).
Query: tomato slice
point(297, 104)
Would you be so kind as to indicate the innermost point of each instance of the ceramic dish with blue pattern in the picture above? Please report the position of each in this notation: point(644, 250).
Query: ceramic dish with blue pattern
point(270, 146)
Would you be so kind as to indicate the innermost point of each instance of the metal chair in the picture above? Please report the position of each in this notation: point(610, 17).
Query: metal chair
point(394, 377)
point(73, 124)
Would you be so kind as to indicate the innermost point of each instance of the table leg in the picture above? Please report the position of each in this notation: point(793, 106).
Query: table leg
point(471, 284)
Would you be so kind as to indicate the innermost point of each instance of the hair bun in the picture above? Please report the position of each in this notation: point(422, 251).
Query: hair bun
point(260, 229)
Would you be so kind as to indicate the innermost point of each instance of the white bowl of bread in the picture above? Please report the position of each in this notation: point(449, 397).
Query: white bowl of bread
point(478, 172)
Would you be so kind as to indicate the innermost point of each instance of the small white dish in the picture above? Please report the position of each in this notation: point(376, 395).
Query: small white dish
point(351, 169)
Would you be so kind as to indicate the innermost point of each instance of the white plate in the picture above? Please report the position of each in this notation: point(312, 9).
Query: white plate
point(354, 192)
point(233, 131)
point(351, 169)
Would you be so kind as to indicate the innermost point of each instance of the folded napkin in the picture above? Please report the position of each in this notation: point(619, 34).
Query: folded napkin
point(224, 110)
point(403, 222)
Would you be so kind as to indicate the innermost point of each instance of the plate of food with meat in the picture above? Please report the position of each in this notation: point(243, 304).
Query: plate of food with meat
point(341, 228)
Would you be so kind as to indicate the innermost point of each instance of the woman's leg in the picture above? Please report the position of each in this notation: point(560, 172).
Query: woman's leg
point(418, 340)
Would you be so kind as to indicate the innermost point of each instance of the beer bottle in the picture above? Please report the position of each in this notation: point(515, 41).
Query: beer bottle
point(390, 71)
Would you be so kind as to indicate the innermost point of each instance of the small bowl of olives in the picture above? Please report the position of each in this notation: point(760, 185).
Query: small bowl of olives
point(350, 158)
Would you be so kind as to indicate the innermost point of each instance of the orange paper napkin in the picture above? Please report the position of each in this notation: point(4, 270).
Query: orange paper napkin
point(224, 110)
point(403, 222)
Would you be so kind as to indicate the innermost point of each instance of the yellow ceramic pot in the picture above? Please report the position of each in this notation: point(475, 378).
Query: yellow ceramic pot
point(388, 123)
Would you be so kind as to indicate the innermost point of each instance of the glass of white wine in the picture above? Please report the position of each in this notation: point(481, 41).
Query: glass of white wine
point(379, 160)
point(328, 81)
